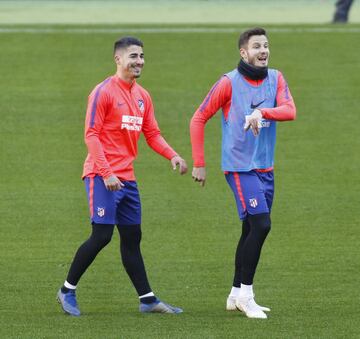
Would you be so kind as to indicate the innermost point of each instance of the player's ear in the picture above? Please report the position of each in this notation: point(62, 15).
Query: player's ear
point(243, 54)
point(117, 59)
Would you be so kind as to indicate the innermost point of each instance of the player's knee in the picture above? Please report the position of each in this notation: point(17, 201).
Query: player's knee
point(261, 223)
point(265, 223)
point(102, 234)
point(266, 228)
point(130, 235)
point(104, 239)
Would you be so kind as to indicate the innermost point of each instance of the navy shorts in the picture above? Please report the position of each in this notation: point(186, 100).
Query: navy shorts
point(253, 191)
point(121, 207)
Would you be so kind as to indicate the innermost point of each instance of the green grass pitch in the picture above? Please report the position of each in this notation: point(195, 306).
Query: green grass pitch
point(309, 271)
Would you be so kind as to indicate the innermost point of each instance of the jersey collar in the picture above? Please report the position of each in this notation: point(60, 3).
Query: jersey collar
point(124, 84)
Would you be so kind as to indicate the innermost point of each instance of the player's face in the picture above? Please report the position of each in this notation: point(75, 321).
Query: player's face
point(130, 61)
point(256, 52)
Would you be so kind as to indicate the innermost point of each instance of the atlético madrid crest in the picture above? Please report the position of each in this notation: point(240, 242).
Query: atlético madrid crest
point(141, 105)
point(253, 202)
point(100, 211)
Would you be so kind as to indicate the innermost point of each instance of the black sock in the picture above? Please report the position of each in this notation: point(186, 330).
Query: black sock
point(65, 289)
point(148, 300)
point(130, 237)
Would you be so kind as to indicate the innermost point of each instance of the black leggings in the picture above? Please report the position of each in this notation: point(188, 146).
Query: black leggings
point(255, 228)
point(130, 237)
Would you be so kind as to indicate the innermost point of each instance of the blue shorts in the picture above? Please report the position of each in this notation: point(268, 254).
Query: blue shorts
point(121, 207)
point(253, 191)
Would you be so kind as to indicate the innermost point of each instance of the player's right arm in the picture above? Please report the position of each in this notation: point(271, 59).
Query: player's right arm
point(95, 116)
point(218, 97)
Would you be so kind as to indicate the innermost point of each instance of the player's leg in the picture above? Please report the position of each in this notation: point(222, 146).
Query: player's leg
point(102, 212)
point(259, 193)
point(260, 225)
point(241, 208)
point(259, 228)
point(238, 255)
point(250, 198)
point(342, 11)
point(235, 290)
point(130, 238)
point(85, 255)
point(100, 236)
point(129, 217)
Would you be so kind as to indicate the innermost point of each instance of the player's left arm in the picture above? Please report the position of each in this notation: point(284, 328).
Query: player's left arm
point(155, 140)
point(285, 107)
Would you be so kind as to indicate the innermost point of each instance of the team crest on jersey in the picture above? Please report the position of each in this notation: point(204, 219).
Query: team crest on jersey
point(141, 105)
point(253, 202)
point(100, 211)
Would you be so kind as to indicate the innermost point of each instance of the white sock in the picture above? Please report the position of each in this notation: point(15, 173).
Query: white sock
point(150, 294)
point(69, 286)
point(234, 291)
point(246, 290)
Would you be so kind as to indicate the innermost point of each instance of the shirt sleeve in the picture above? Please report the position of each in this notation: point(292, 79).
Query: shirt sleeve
point(152, 132)
point(218, 97)
point(285, 107)
point(95, 116)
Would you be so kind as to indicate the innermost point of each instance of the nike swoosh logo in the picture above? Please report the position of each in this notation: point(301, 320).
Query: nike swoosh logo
point(253, 106)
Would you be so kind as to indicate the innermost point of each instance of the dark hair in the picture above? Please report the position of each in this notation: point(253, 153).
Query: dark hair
point(126, 42)
point(245, 36)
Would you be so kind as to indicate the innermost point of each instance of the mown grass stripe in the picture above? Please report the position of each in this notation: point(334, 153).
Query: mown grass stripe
point(39, 30)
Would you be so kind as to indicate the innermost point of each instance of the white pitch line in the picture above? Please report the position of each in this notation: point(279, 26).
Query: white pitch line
point(39, 30)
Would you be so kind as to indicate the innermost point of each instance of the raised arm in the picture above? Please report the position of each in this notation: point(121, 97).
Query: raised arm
point(285, 107)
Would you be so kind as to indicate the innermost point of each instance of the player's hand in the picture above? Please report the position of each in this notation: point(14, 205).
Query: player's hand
point(177, 160)
point(253, 121)
point(199, 175)
point(112, 183)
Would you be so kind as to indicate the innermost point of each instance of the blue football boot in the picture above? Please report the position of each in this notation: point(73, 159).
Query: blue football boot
point(158, 307)
point(68, 302)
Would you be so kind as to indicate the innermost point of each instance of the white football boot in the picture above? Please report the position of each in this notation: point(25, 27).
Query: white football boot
point(231, 304)
point(248, 305)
